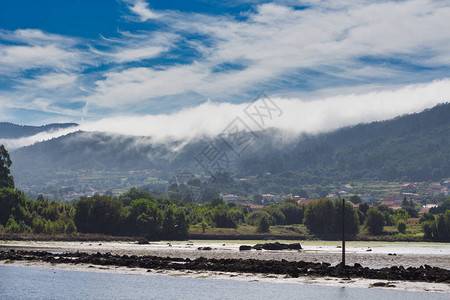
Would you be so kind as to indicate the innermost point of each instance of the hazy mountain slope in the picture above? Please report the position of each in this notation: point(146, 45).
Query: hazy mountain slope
point(411, 147)
point(414, 146)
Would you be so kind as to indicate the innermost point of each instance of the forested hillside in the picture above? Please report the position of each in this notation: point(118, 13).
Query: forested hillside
point(412, 147)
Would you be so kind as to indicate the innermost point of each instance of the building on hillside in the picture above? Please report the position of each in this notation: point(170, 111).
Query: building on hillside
point(390, 201)
point(435, 188)
point(409, 188)
point(230, 198)
point(446, 184)
point(426, 208)
point(332, 196)
point(346, 187)
point(411, 196)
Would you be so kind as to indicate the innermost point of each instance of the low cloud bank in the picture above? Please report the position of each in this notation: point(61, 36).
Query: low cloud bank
point(296, 117)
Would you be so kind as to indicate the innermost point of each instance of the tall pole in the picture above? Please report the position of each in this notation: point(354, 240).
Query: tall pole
point(343, 233)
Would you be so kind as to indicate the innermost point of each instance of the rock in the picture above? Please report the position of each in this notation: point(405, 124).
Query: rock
point(245, 248)
point(204, 248)
point(382, 284)
point(278, 246)
point(295, 246)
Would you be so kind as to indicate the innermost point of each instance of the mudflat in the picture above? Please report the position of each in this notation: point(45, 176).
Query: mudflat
point(368, 254)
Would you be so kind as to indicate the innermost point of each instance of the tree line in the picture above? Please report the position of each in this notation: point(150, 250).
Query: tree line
point(140, 213)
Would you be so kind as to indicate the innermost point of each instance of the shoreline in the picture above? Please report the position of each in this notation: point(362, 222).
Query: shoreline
point(80, 237)
point(369, 263)
point(368, 254)
point(425, 287)
point(316, 252)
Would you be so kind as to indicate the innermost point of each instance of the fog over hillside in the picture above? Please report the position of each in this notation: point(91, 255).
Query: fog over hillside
point(410, 147)
point(292, 117)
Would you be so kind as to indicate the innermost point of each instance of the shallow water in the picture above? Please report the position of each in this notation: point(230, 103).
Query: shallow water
point(35, 283)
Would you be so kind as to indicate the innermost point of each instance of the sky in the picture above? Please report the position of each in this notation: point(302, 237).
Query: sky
point(188, 68)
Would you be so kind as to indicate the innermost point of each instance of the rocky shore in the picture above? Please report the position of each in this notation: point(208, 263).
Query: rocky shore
point(289, 268)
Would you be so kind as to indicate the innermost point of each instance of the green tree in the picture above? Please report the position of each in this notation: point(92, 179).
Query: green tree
point(144, 218)
point(71, 228)
point(6, 180)
point(443, 227)
point(401, 226)
point(263, 225)
point(428, 229)
point(375, 221)
point(181, 224)
point(320, 217)
point(168, 224)
point(351, 219)
point(292, 212)
point(276, 214)
point(355, 199)
point(222, 218)
point(99, 214)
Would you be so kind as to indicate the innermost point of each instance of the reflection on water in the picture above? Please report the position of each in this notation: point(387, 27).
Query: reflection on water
point(34, 283)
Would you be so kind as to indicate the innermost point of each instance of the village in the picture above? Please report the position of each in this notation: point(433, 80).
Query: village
point(419, 194)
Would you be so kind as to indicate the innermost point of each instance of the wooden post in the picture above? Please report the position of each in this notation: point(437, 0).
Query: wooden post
point(343, 233)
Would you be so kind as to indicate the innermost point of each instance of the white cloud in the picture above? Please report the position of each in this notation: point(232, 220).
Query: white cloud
point(274, 47)
point(50, 81)
point(299, 116)
point(276, 42)
point(34, 49)
point(140, 8)
point(139, 54)
point(30, 57)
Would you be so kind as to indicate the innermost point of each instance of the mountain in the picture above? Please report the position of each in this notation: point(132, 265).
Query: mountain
point(411, 147)
point(14, 131)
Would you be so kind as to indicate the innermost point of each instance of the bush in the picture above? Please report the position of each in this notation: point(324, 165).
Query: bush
point(401, 226)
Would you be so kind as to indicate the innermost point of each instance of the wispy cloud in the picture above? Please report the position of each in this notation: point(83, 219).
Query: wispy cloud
point(34, 49)
point(350, 42)
point(172, 60)
point(141, 9)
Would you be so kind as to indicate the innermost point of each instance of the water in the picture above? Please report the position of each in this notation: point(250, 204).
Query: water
point(34, 283)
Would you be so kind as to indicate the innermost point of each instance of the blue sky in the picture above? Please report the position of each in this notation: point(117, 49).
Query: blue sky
point(99, 61)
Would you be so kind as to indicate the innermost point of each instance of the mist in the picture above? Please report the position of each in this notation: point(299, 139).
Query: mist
point(296, 116)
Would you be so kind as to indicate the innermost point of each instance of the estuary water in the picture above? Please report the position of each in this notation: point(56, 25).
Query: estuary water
point(18, 282)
